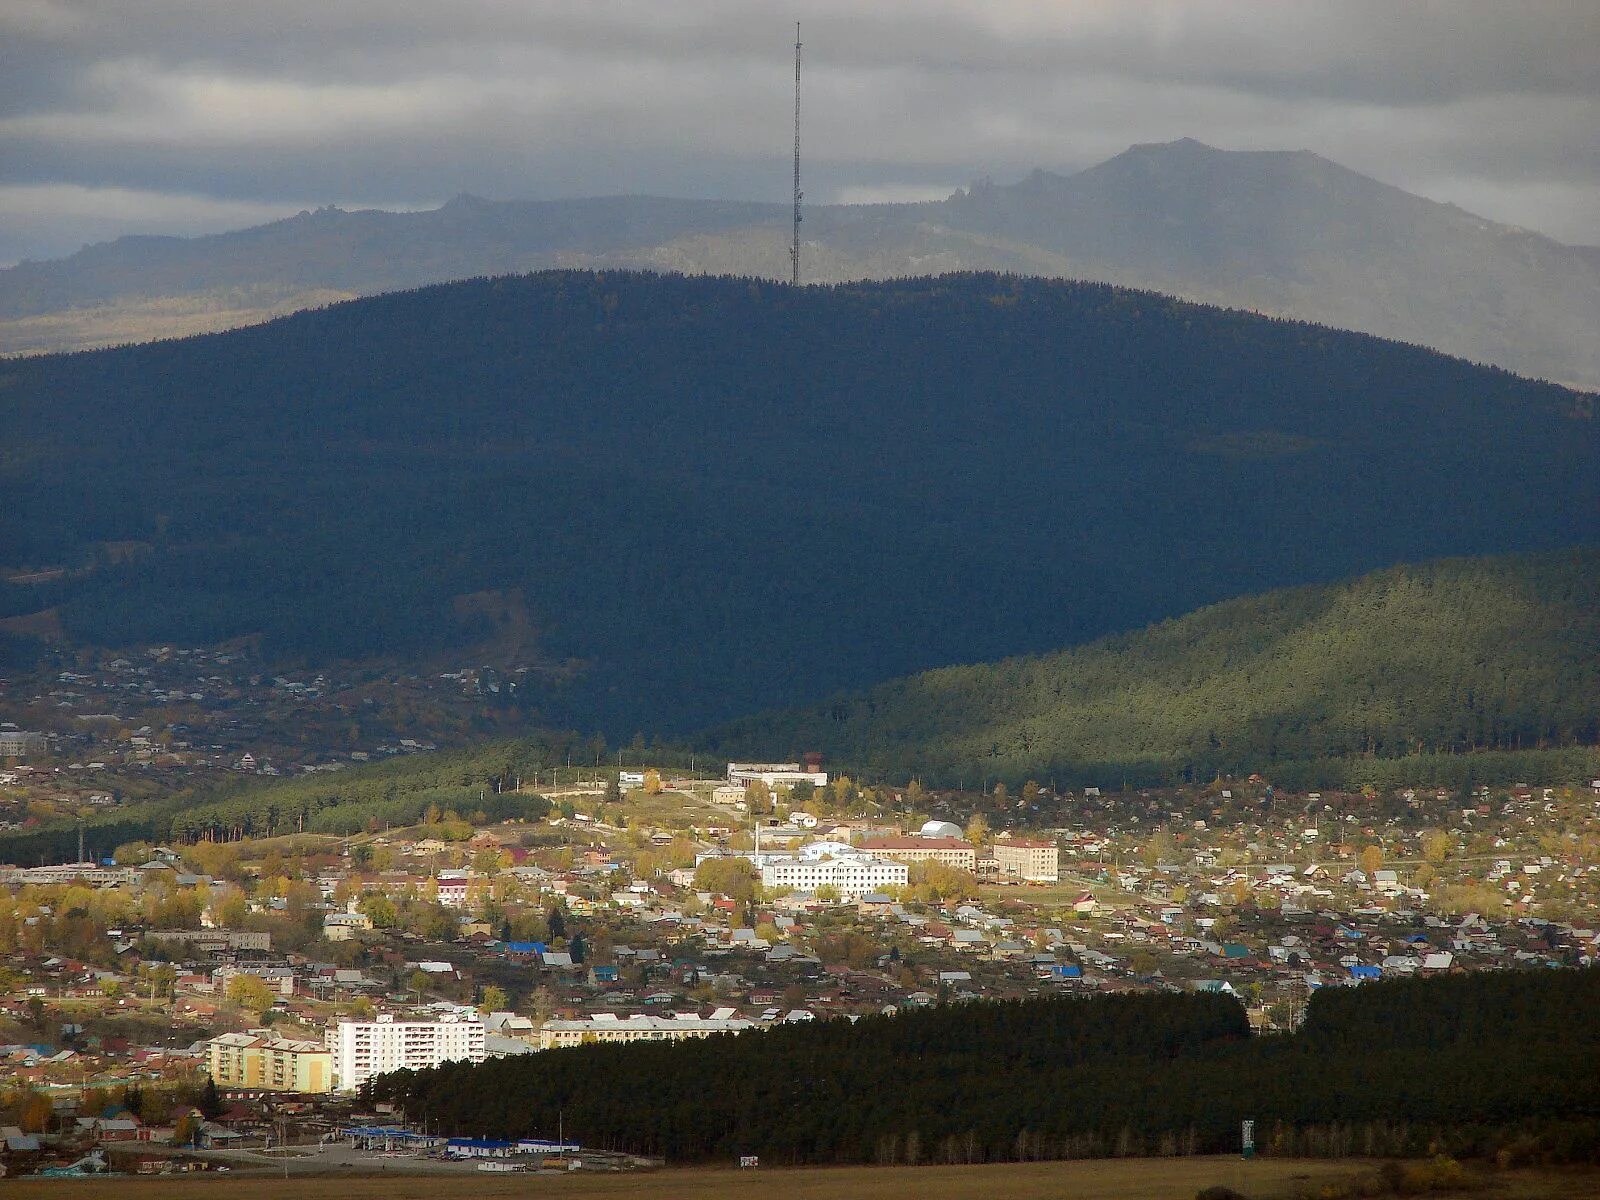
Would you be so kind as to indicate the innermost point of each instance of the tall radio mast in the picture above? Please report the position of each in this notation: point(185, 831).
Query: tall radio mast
point(794, 248)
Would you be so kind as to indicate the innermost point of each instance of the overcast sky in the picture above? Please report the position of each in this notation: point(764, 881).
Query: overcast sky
point(189, 116)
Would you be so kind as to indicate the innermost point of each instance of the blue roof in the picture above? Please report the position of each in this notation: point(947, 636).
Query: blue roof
point(1360, 972)
point(1066, 972)
point(524, 947)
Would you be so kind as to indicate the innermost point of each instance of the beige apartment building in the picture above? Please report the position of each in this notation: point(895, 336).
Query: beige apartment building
point(262, 1060)
point(1029, 860)
point(952, 852)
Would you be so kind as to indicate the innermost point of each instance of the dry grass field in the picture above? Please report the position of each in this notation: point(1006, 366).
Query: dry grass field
point(145, 318)
point(1124, 1179)
point(1121, 1179)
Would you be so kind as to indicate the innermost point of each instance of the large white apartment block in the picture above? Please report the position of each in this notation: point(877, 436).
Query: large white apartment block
point(952, 852)
point(363, 1049)
point(847, 870)
point(1028, 860)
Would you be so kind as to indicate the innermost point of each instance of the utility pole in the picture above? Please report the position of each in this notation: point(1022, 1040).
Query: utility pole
point(794, 248)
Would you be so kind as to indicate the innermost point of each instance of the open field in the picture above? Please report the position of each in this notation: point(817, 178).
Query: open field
point(145, 318)
point(1059, 895)
point(1122, 1179)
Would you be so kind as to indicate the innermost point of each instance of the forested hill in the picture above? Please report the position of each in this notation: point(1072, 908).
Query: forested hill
point(1449, 658)
point(694, 498)
point(1467, 1064)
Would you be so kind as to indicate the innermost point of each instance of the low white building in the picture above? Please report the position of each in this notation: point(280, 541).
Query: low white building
point(90, 873)
point(609, 1027)
point(364, 1049)
point(774, 775)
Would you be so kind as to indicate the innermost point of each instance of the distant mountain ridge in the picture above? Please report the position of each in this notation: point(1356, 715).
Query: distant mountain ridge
point(1348, 682)
point(1281, 232)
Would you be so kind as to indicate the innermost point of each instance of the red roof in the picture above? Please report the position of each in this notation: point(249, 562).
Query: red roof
point(915, 843)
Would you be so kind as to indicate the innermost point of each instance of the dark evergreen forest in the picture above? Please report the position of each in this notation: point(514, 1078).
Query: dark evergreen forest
point(1468, 1064)
point(717, 496)
point(1457, 671)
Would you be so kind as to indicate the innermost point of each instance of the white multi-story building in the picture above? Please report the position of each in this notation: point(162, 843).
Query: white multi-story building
point(1032, 861)
point(953, 852)
point(455, 887)
point(19, 743)
point(363, 1049)
point(213, 941)
point(844, 868)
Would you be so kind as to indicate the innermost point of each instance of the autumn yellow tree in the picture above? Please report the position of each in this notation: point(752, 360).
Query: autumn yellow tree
point(732, 877)
point(230, 908)
point(757, 796)
point(249, 993)
point(1372, 860)
point(34, 1112)
point(977, 830)
point(1159, 849)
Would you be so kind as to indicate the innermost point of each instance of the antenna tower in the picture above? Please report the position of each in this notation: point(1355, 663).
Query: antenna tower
point(794, 247)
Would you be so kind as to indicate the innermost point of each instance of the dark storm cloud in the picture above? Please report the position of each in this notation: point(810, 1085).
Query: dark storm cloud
point(189, 114)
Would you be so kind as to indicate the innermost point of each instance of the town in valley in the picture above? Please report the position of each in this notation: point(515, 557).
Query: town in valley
point(187, 1004)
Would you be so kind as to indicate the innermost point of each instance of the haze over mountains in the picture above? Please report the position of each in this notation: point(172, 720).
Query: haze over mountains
point(678, 500)
point(1284, 233)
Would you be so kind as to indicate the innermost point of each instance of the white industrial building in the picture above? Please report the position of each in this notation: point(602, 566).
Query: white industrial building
point(364, 1049)
point(774, 775)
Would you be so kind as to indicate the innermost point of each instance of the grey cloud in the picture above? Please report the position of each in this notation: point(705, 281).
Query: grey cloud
point(408, 102)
